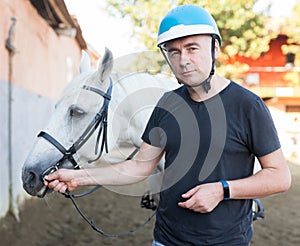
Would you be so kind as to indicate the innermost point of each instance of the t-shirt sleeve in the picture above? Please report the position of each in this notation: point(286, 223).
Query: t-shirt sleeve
point(154, 134)
point(262, 136)
point(150, 125)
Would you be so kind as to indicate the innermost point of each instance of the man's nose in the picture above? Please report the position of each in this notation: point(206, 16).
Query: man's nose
point(184, 58)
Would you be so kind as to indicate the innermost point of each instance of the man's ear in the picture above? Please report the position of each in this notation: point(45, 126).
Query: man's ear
point(217, 48)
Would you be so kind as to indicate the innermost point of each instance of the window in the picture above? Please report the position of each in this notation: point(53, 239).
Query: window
point(252, 79)
point(289, 60)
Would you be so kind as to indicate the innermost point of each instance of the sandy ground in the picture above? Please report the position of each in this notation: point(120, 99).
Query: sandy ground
point(54, 221)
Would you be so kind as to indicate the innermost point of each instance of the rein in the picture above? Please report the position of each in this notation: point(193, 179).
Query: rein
point(99, 121)
point(68, 194)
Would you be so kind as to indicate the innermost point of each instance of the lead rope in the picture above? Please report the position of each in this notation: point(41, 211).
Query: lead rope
point(72, 196)
point(68, 194)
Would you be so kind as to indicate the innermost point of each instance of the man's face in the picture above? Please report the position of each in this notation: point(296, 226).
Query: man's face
point(190, 58)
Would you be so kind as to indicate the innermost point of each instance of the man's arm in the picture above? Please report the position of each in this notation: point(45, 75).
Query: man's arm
point(127, 172)
point(274, 177)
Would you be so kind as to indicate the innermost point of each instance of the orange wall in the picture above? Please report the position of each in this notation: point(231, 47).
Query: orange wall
point(274, 57)
point(271, 66)
point(43, 62)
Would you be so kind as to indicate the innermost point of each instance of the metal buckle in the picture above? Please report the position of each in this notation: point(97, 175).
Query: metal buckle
point(48, 171)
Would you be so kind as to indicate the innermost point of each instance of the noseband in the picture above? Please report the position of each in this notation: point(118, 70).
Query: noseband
point(99, 121)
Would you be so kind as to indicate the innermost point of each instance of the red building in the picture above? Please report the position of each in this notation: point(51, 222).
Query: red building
point(274, 73)
point(275, 76)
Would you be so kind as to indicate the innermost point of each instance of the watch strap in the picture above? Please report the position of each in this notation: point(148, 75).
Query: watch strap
point(225, 189)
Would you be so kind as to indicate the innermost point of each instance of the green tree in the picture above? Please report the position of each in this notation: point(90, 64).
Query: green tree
point(292, 30)
point(243, 32)
point(293, 25)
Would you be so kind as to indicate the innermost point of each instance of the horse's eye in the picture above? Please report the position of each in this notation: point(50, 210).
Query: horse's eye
point(76, 111)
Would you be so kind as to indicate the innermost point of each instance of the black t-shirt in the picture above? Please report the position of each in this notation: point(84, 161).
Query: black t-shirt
point(206, 142)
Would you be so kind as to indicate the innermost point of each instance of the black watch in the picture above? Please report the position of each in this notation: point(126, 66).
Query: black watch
point(225, 189)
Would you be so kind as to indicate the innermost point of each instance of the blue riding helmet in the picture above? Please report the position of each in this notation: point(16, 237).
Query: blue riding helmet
point(184, 21)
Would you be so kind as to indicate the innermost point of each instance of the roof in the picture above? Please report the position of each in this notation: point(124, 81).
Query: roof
point(56, 14)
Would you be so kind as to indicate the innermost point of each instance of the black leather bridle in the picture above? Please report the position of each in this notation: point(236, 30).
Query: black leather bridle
point(99, 121)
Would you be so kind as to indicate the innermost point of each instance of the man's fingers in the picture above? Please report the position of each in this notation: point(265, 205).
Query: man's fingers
point(190, 193)
point(63, 189)
point(58, 186)
point(54, 175)
point(53, 184)
point(187, 204)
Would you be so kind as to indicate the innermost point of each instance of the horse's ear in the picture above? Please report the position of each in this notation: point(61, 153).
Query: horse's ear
point(106, 65)
point(85, 62)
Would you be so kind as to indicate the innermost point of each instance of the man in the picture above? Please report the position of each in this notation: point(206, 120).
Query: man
point(210, 130)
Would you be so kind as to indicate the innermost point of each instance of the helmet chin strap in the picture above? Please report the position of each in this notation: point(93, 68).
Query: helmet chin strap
point(206, 83)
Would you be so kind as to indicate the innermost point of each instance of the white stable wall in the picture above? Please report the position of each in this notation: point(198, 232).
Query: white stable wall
point(29, 114)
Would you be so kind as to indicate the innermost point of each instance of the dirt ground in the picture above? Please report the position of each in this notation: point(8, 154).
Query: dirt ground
point(54, 221)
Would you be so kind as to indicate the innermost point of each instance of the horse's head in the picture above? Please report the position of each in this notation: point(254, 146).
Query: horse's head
point(78, 117)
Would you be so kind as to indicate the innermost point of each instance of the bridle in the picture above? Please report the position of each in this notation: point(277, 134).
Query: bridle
point(99, 122)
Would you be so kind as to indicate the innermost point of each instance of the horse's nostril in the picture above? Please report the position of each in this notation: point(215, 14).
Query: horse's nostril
point(31, 181)
point(31, 178)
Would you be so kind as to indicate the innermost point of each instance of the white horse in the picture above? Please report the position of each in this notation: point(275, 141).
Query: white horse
point(133, 98)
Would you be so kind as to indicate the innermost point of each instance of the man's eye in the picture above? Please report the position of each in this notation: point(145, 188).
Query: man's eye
point(173, 53)
point(192, 49)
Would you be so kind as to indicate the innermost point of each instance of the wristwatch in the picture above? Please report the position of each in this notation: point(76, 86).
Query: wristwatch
point(225, 189)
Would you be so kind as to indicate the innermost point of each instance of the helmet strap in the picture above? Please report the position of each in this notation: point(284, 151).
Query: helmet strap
point(206, 83)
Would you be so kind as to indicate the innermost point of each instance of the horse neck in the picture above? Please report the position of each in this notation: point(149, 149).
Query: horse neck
point(127, 117)
point(133, 99)
point(118, 115)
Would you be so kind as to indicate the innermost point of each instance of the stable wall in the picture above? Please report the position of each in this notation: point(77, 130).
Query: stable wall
point(29, 114)
point(32, 78)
